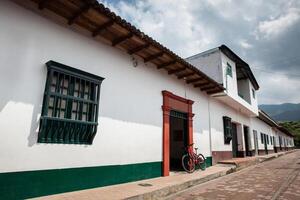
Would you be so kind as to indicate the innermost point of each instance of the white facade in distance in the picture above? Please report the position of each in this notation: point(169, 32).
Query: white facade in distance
point(238, 93)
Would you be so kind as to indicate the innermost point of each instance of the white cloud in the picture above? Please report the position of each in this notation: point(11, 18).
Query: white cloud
point(170, 22)
point(278, 88)
point(276, 26)
point(245, 44)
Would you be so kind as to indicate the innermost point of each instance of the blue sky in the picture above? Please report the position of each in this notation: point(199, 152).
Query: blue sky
point(266, 34)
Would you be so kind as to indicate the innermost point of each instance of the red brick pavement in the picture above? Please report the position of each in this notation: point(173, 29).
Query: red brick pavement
point(275, 179)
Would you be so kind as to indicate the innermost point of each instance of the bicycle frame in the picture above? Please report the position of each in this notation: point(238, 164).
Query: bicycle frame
point(193, 154)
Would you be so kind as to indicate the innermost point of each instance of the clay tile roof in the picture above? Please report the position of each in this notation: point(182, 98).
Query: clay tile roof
point(98, 21)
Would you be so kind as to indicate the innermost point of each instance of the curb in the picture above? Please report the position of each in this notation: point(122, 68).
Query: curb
point(167, 191)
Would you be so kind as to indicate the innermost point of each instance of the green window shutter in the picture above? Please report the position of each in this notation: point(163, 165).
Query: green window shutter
point(227, 129)
point(229, 70)
point(70, 105)
point(253, 93)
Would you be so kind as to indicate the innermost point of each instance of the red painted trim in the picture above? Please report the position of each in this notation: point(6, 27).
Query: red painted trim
point(171, 101)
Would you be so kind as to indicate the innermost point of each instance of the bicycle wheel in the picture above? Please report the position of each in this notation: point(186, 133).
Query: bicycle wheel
point(202, 162)
point(188, 163)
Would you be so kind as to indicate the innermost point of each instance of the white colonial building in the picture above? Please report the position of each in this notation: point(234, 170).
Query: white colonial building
point(88, 100)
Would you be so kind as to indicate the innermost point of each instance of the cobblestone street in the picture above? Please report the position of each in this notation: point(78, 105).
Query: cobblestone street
point(275, 179)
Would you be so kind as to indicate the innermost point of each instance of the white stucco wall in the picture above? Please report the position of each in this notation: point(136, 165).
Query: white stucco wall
point(262, 127)
point(130, 116)
point(284, 137)
point(209, 63)
point(232, 88)
point(217, 111)
point(230, 83)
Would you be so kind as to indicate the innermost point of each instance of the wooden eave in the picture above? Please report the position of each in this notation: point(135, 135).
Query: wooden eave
point(93, 19)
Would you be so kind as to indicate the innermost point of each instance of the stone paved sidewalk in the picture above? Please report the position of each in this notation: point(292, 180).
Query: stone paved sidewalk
point(147, 189)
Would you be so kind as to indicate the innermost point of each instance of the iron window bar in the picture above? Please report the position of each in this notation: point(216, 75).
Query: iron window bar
point(70, 105)
point(177, 114)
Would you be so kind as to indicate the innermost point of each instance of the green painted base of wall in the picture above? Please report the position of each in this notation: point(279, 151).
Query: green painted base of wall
point(208, 161)
point(20, 185)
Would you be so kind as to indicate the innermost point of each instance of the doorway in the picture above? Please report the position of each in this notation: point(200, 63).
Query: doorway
point(246, 138)
point(234, 141)
point(280, 143)
point(178, 138)
point(274, 145)
point(183, 106)
point(265, 143)
point(255, 141)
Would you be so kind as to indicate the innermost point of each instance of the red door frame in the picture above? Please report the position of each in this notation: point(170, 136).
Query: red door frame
point(171, 101)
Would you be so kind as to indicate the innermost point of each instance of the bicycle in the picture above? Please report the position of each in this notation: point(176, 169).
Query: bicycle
point(191, 159)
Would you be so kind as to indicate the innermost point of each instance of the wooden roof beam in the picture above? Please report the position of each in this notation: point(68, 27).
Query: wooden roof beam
point(121, 39)
point(42, 4)
point(186, 75)
point(201, 84)
point(166, 64)
point(174, 71)
point(153, 57)
point(194, 80)
point(102, 27)
point(214, 91)
point(84, 9)
point(208, 87)
point(137, 49)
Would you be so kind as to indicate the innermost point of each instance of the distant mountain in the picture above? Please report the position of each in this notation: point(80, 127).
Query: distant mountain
point(282, 112)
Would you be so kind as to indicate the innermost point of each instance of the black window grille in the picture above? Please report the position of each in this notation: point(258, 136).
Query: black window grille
point(262, 137)
point(227, 129)
point(70, 105)
point(177, 114)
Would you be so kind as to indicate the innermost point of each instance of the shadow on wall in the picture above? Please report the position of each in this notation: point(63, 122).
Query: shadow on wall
point(21, 88)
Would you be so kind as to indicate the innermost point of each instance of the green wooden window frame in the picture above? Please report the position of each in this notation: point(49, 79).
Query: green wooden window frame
point(70, 105)
point(253, 93)
point(229, 70)
point(227, 129)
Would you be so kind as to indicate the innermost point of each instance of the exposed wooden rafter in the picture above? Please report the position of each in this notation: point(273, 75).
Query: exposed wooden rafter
point(166, 64)
point(42, 4)
point(194, 80)
point(121, 39)
point(209, 87)
point(213, 91)
point(84, 9)
point(186, 75)
point(201, 84)
point(139, 48)
point(102, 27)
point(174, 71)
point(153, 57)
